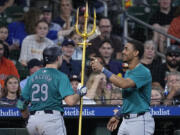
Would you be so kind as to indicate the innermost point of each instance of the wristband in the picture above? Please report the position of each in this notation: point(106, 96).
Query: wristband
point(107, 72)
point(118, 115)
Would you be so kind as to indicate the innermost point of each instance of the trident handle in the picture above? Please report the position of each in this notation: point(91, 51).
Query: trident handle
point(84, 35)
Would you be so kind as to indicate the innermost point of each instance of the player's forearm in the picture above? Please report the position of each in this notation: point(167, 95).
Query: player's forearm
point(72, 99)
point(92, 91)
point(119, 82)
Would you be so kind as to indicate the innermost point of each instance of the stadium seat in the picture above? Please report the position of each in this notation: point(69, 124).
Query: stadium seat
point(177, 132)
point(13, 131)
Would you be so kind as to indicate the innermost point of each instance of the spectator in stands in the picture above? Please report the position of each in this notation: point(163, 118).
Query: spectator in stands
point(116, 96)
point(33, 66)
point(20, 29)
point(9, 48)
point(7, 67)
point(173, 88)
point(96, 89)
point(11, 90)
point(81, 22)
point(0, 90)
point(53, 27)
point(106, 51)
point(77, 55)
point(161, 20)
point(152, 61)
point(172, 62)
point(33, 45)
point(75, 80)
point(69, 67)
point(65, 18)
point(156, 96)
point(4, 35)
point(105, 28)
point(174, 28)
point(64, 33)
point(4, 4)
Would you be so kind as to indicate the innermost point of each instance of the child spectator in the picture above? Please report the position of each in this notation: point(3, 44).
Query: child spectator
point(75, 80)
point(77, 55)
point(156, 96)
point(116, 96)
point(173, 88)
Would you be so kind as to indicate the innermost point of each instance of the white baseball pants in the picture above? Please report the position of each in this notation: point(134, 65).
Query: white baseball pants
point(42, 123)
point(141, 125)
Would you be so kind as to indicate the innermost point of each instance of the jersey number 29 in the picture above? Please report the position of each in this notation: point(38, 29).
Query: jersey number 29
point(40, 89)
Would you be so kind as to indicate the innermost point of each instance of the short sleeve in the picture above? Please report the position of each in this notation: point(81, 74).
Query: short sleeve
point(65, 87)
point(25, 92)
point(140, 77)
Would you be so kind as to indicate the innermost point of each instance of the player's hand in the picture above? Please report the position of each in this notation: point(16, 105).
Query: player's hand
point(81, 90)
point(95, 64)
point(112, 124)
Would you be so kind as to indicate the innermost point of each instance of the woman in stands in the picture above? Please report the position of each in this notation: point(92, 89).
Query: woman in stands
point(152, 62)
point(96, 89)
point(11, 91)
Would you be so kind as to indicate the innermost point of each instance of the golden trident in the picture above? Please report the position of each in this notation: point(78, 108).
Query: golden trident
point(84, 35)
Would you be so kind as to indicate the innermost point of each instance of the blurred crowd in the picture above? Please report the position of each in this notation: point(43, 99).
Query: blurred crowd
point(22, 43)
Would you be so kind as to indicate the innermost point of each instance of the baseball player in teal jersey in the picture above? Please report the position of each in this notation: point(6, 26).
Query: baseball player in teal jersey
point(136, 93)
point(45, 90)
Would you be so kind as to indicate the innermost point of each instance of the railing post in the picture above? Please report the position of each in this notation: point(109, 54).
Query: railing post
point(125, 27)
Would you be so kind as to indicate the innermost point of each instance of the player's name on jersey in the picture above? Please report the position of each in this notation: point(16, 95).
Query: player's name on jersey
point(42, 77)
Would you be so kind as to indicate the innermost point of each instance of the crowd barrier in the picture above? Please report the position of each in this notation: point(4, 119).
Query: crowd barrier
point(94, 121)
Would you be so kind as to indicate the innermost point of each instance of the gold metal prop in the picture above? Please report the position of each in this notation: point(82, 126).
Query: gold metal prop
point(84, 35)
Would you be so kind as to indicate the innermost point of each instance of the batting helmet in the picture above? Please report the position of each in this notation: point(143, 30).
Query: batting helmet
point(50, 54)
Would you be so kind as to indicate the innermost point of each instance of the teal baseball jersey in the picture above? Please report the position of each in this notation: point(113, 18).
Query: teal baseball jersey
point(46, 89)
point(136, 100)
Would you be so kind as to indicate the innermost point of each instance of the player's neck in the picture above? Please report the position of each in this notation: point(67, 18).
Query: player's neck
point(51, 66)
point(132, 64)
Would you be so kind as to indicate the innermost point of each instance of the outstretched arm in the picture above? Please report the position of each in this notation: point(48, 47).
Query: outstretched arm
point(116, 80)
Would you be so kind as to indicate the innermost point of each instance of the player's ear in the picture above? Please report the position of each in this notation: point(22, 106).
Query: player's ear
point(136, 53)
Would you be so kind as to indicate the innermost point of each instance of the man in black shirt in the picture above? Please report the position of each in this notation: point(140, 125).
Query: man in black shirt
point(161, 20)
point(105, 28)
point(172, 62)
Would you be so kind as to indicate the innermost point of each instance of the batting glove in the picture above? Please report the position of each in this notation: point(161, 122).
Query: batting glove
point(81, 90)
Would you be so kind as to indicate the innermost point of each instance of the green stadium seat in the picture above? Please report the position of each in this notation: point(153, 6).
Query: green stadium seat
point(177, 132)
point(21, 131)
point(13, 131)
point(23, 71)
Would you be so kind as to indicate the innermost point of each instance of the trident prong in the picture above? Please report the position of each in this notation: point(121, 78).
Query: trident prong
point(84, 35)
point(94, 25)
